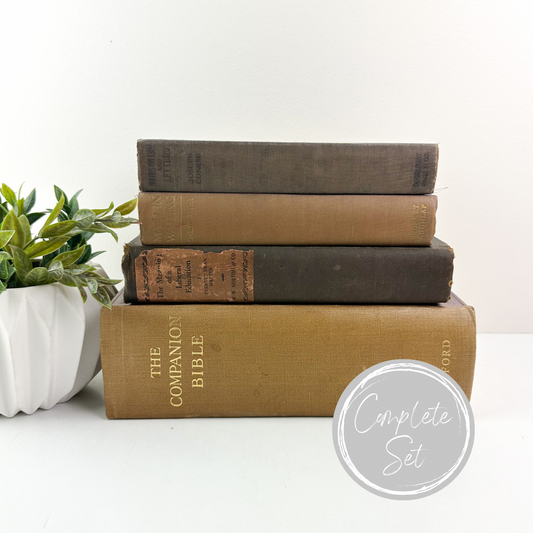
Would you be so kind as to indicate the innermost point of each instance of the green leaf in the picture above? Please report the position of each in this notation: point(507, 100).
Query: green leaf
point(11, 222)
point(83, 293)
point(58, 229)
point(68, 258)
point(59, 193)
point(29, 201)
point(55, 265)
point(102, 212)
point(2, 287)
point(11, 279)
point(98, 227)
point(4, 268)
point(73, 204)
point(3, 209)
point(38, 276)
point(42, 248)
point(74, 207)
point(84, 217)
point(9, 195)
point(127, 207)
point(49, 257)
point(109, 281)
point(68, 280)
point(95, 254)
point(115, 236)
point(34, 217)
point(56, 270)
point(76, 241)
point(5, 255)
point(5, 236)
point(124, 223)
point(76, 195)
point(102, 297)
point(19, 208)
point(55, 212)
point(86, 255)
point(101, 280)
point(25, 224)
point(78, 270)
point(73, 281)
point(21, 262)
point(92, 285)
point(86, 235)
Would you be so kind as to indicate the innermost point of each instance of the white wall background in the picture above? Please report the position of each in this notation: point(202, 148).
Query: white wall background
point(82, 81)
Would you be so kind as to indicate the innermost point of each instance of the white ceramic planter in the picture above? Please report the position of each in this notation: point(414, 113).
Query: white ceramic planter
point(49, 346)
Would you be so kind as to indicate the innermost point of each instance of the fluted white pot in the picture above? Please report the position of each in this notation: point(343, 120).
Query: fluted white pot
point(49, 346)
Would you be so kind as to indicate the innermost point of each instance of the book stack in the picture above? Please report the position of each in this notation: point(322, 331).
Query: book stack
point(267, 276)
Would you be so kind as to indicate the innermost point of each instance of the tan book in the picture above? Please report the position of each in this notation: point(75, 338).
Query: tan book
point(231, 360)
point(286, 219)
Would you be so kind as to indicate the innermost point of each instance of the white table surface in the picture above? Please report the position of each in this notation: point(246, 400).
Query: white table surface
point(71, 470)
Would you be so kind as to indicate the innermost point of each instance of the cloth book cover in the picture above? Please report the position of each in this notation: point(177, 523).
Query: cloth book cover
point(207, 360)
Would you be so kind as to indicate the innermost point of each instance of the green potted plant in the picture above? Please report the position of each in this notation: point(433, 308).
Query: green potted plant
point(49, 340)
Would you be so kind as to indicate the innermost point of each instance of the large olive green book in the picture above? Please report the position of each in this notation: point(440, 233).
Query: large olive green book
point(231, 360)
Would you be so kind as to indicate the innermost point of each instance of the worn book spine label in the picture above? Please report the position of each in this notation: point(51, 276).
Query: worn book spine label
point(183, 275)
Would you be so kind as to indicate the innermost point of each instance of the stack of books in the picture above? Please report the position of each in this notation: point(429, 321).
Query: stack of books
point(267, 276)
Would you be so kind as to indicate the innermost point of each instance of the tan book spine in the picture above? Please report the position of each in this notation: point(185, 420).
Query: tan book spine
point(201, 360)
point(205, 218)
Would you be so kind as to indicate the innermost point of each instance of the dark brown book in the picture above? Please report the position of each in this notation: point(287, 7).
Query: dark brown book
point(287, 168)
point(200, 360)
point(287, 274)
point(286, 219)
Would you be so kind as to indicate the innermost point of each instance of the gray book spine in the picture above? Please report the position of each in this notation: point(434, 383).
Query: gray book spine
point(288, 274)
point(286, 168)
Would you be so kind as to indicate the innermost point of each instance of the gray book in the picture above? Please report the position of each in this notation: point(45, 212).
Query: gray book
point(286, 168)
point(288, 274)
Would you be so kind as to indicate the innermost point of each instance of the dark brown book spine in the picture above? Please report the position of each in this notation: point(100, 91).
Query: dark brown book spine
point(287, 168)
point(287, 274)
point(286, 219)
point(199, 360)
